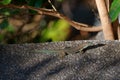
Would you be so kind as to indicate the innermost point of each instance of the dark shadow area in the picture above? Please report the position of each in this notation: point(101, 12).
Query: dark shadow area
point(93, 47)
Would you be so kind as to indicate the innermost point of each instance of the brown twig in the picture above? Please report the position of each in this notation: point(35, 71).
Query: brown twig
point(51, 12)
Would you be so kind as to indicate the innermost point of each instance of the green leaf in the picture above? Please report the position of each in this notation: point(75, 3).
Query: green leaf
point(5, 2)
point(114, 10)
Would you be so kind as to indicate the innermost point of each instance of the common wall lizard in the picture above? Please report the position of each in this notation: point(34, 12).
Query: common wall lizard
point(67, 51)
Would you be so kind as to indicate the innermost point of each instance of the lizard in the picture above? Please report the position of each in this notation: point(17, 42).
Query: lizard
point(67, 51)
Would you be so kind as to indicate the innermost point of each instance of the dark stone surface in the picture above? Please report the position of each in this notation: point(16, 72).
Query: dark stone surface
point(19, 62)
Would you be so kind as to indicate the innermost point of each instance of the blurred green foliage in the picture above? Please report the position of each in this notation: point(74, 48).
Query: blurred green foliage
point(6, 26)
point(9, 12)
point(36, 3)
point(54, 30)
point(5, 2)
point(6, 29)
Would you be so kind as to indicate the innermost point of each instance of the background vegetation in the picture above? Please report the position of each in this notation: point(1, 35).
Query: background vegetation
point(25, 26)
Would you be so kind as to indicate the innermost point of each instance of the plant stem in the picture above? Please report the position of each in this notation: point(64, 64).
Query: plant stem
point(106, 24)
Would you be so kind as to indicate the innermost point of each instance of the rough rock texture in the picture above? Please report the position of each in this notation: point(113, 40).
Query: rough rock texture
point(20, 62)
